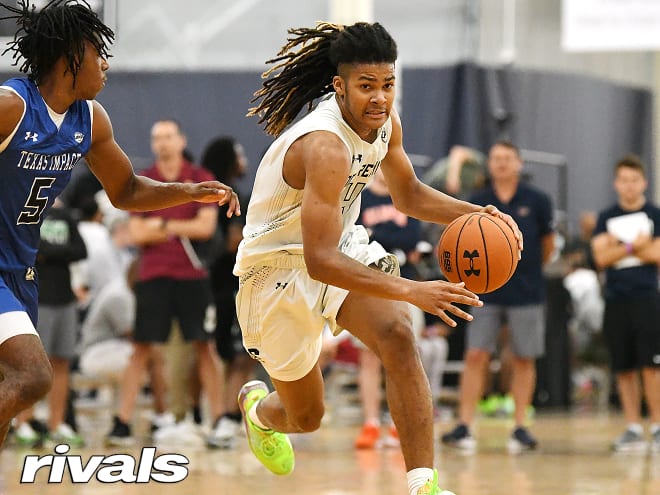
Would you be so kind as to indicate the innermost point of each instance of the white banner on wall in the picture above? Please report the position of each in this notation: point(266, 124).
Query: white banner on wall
point(610, 25)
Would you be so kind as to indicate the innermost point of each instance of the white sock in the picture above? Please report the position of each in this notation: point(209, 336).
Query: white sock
point(252, 414)
point(417, 477)
point(636, 428)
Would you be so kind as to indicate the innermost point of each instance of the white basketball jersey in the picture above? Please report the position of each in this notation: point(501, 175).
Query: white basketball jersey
point(272, 233)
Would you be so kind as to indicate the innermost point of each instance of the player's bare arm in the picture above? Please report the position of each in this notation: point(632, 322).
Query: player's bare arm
point(410, 195)
point(326, 163)
point(132, 192)
point(416, 199)
point(11, 110)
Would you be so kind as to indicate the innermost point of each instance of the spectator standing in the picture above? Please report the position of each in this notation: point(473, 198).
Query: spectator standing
point(626, 244)
point(172, 282)
point(519, 303)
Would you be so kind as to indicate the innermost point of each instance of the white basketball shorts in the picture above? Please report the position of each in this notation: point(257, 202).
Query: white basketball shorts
point(282, 310)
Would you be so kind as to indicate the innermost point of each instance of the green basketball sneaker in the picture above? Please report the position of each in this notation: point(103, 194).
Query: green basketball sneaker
point(272, 448)
point(431, 487)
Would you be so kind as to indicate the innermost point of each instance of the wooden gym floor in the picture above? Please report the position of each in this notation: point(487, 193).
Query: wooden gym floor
point(573, 459)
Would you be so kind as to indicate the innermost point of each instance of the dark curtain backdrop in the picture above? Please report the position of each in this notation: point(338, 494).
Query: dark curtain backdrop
point(590, 122)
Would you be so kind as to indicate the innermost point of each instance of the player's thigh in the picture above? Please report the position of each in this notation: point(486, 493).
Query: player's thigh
point(527, 330)
point(281, 320)
point(484, 330)
point(18, 307)
point(373, 319)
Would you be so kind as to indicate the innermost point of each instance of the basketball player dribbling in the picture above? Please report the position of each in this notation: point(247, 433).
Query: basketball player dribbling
point(303, 263)
point(48, 122)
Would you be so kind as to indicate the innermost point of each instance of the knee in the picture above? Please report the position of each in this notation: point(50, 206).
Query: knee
point(309, 419)
point(141, 353)
point(397, 343)
point(476, 357)
point(34, 384)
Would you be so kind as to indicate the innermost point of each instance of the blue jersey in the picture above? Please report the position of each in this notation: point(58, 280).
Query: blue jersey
point(35, 166)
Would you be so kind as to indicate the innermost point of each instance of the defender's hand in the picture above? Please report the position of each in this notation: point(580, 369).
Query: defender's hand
point(214, 191)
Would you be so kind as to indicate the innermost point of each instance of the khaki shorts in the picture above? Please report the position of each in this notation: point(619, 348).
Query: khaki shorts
point(282, 310)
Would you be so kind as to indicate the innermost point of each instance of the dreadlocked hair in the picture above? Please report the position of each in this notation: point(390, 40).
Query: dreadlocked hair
point(305, 66)
point(60, 29)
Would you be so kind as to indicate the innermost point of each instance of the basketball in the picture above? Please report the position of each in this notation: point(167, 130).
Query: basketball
point(480, 250)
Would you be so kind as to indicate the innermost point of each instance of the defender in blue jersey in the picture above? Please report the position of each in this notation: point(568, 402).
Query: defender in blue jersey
point(48, 122)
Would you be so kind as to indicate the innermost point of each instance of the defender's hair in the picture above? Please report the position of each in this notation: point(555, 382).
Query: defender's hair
point(59, 29)
point(309, 61)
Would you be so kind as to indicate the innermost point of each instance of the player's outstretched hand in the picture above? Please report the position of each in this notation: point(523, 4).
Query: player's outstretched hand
point(214, 191)
point(492, 210)
point(440, 298)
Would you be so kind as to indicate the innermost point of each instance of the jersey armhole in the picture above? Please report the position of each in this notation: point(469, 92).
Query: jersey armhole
point(90, 106)
point(5, 143)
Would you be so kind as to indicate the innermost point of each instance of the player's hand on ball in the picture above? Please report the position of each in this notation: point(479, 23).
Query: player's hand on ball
point(492, 210)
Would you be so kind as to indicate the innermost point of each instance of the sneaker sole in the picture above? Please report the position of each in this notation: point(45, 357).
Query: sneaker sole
point(245, 390)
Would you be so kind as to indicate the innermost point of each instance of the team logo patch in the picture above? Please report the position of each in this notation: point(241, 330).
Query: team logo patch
point(79, 136)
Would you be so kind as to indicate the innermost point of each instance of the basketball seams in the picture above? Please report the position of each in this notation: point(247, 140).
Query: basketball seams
point(483, 241)
point(457, 249)
point(512, 263)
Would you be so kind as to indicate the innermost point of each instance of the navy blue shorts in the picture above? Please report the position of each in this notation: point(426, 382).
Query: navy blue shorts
point(17, 293)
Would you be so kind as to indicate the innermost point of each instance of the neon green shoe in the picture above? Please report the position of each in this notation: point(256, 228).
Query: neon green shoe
point(273, 449)
point(431, 487)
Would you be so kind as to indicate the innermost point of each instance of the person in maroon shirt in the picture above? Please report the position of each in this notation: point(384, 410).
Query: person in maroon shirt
point(172, 282)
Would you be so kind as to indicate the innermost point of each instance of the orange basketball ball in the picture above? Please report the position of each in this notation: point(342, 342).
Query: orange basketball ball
point(480, 250)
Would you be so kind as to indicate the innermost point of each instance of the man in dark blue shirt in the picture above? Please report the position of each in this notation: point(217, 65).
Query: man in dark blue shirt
point(626, 244)
point(519, 304)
